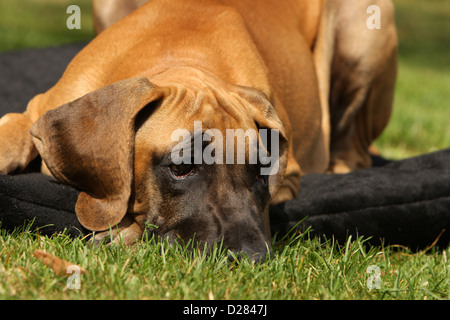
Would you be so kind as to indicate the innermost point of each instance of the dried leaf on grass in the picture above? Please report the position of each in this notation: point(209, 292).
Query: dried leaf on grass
point(58, 265)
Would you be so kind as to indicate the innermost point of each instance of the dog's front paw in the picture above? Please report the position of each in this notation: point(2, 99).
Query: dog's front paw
point(284, 194)
point(288, 190)
point(127, 232)
point(102, 238)
point(339, 168)
point(16, 147)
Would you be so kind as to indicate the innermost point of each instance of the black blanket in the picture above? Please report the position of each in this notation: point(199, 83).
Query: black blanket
point(401, 202)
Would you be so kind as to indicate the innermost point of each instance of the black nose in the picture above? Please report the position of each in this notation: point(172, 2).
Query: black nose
point(256, 256)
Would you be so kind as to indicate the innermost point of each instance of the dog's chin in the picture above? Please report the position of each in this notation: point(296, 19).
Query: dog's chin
point(255, 254)
point(251, 255)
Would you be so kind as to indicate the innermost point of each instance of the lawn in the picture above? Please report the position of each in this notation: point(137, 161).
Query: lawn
point(419, 122)
point(302, 267)
point(38, 24)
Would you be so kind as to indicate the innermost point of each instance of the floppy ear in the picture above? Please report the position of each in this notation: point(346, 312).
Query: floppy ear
point(89, 144)
point(266, 117)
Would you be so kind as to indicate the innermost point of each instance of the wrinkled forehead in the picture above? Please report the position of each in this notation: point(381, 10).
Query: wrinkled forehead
point(195, 113)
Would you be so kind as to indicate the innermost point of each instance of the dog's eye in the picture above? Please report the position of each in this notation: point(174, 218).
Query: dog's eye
point(264, 179)
point(182, 171)
point(261, 178)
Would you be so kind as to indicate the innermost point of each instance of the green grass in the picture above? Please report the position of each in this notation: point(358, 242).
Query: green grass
point(37, 24)
point(419, 123)
point(302, 267)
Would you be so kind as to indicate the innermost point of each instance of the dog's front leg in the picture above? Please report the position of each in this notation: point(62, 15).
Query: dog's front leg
point(16, 147)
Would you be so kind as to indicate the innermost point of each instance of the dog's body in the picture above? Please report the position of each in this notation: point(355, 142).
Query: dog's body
point(310, 69)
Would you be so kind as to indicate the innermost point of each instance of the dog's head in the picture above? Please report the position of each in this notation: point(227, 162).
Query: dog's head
point(171, 155)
